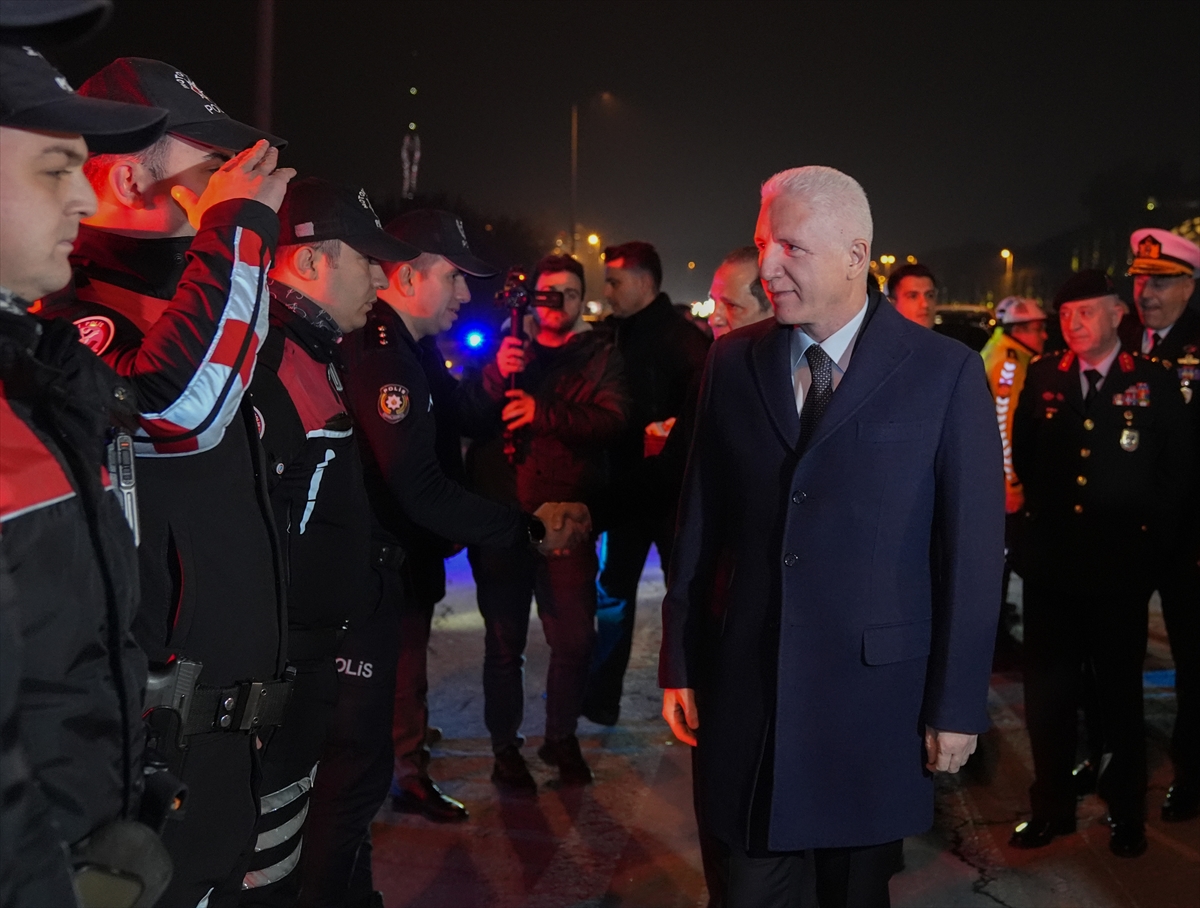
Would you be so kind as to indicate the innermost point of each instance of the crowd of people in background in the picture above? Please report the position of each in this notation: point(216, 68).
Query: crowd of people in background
point(233, 466)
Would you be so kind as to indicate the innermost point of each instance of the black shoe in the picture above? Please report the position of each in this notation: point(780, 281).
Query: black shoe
point(1128, 838)
point(601, 714)
point(421, 795)
point(1037, 833)
point(1083, 777)
point(510, 772)
point(565, 754)
point(1182, 803)
point(433, 734)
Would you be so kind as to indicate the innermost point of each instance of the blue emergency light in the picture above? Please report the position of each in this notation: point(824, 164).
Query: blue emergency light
point(475, 339)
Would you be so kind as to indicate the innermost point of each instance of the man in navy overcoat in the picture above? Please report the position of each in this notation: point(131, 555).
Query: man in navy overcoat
point(846, 485)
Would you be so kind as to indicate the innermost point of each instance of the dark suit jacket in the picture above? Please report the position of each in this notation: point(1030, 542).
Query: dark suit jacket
point(1185, 332)
point(865, 580)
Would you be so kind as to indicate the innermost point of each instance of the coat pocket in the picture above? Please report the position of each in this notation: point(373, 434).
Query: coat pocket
point(892, 431)
point(887, 643)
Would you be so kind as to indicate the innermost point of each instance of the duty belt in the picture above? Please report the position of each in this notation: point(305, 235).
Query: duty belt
point(248, 706)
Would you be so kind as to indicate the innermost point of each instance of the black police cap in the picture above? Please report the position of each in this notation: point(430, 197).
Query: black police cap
point(1084, 285)
point(43, 22)
point(314, 210)
point(440, 233)
point(191, 113)
point(35, 96)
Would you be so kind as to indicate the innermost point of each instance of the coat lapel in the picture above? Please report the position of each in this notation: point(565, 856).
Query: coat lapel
point(877, 354)
point(771, 356)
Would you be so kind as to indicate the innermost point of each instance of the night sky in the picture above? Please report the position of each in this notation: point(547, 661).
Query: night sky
point(963, 121)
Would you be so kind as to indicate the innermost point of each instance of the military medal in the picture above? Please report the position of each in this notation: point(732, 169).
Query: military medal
point(1129, 440)
point(1186, 366)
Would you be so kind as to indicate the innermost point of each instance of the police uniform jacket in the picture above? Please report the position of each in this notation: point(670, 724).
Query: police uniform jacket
point(862, 599)
point(1006, 360)
point(181, 320)
point(314, 472)
point(71, 676)
point(393, 408)
point(581, 407)
point(662, 355)
point(1104, 483)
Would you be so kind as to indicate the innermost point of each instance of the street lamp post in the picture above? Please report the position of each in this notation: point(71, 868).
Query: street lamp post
point(1008, 257)
point(574, 170)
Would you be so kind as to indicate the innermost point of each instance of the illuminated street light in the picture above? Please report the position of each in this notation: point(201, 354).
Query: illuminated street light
point(593, 239)
point(888, 260)
point(912, 259)
point(1008, 257)
point(691, 266)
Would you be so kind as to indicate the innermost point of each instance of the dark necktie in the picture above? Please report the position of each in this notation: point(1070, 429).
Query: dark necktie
point(1155, 340)
point(819, 393)
point(1093, 380)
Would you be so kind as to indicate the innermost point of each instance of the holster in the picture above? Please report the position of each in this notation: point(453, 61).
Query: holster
point(121, 865)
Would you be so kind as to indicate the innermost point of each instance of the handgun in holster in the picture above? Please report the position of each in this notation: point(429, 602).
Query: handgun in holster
point(170, 693)
point(119, 451)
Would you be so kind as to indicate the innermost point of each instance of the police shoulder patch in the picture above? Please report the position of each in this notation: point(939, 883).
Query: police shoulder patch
point(394, 403)
point(95, 332)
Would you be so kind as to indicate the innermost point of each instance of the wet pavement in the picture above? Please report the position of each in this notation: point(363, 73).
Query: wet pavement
point(629, 839)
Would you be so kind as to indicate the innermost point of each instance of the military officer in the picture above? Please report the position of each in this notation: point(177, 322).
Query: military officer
point(1163, 271)
point(1102, 443)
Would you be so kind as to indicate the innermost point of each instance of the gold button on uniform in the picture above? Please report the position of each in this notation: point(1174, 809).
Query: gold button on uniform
point(1078, 509)
point(1086, 452)
point(1081, 480)
point(1089, 424)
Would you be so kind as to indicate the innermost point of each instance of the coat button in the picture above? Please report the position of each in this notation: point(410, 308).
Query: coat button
point(229, 703)
point(798, 497)
point(1089, 424)
point(120, 393)
point(1086, 452)
point(1080, 480)
point(790, 560)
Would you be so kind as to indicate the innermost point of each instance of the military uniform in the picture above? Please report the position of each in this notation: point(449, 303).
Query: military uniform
point(1102, 480)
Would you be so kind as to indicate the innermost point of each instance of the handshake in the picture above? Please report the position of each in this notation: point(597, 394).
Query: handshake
point(567, 525)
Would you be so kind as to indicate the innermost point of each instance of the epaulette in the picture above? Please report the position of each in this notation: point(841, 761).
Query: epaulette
point(377, 334)
point(1125, 360)
point(1065, 363)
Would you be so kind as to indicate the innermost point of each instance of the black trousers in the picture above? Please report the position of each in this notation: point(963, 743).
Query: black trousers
point(410, 709)
point(212, 846)
point(824, 877)
point(1179, 587)
point(506, 579)
point(1065, 630)
point(289, 763)
point(622, 558)
point(356, 761)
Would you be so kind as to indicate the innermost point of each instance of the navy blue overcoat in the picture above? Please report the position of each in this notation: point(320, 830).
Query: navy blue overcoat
point(859, 583)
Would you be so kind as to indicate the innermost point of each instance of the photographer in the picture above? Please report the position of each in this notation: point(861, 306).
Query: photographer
point(568, 404)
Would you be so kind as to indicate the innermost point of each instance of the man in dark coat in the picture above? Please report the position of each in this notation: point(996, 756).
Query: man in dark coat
point(846, 471)
point(1168, 328)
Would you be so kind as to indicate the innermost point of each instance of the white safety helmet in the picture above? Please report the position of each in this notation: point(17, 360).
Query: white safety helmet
point(1013, 310)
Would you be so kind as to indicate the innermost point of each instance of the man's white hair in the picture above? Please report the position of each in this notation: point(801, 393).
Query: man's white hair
point(828, 192)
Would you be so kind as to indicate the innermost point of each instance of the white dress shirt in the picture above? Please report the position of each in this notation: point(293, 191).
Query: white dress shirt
point(839, 347)
point(1148, 333)
point(1102, 367)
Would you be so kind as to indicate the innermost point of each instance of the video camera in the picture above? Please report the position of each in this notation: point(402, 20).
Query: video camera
point(517, 295)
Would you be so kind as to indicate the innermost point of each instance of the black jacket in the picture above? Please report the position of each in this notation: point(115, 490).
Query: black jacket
point(1104, 483)
point(181, 319)
point(581, 408)
point(71, 676)
point(663, 356)
point(314, 472)
point(1184, 333)
point(393, 409)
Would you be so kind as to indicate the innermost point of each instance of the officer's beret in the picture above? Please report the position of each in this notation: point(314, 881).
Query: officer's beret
point(1085, 285)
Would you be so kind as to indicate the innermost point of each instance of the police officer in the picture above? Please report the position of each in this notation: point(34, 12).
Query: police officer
point(1101, 442)
point(71, 676)
point(323, 282)
point(170, 290)
point(390, 400)
point(1164, 280)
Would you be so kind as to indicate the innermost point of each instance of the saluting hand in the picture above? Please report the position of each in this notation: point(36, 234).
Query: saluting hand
point(250, 175)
